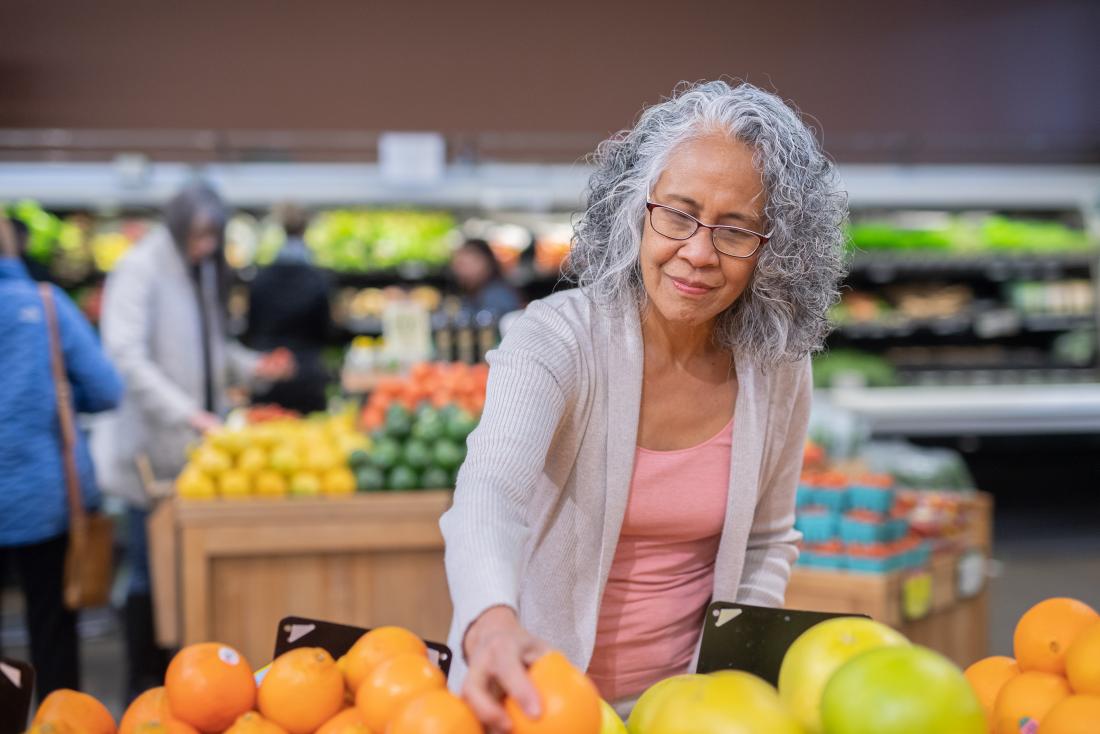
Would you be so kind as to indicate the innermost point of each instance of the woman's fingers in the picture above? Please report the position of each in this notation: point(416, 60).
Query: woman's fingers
point(512, 676)
point(483, 701)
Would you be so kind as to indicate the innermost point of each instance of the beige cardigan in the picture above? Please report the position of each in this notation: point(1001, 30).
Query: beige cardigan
point(541, 497)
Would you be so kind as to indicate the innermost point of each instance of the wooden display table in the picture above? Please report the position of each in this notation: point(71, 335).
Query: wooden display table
point(229, 571)
point(955, 621)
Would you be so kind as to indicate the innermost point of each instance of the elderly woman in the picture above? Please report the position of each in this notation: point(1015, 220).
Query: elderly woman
point(642, 435)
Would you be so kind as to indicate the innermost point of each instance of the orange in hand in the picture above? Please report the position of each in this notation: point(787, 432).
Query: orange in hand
point(570, 702)
point(1046, 631)
point(375, 647)
point(1029, 695)
point(75, 710)
point(435, 712)
point(302, 690)
point(208, 686)
point(392, 684)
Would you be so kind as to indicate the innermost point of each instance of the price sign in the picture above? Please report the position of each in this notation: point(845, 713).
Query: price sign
point(412, 158)
point(407, 333)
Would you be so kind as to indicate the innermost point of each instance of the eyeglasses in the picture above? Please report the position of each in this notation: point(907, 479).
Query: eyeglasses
point(730, 241)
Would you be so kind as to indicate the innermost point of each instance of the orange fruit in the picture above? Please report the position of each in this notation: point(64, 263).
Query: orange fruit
point(208, 686)
point(570, 701)
point(254, 723)
point(344, 720)
point(435, 712)
point(1029, 695)
point(302, 690)
point(1047, 630)
point(1074, 715)
point(375, 647)
point(149, 706)
point(392, 684)
point(78, 710)
point(50, 727)
point(167, 726)
point(987, 676)
point(1083, 661)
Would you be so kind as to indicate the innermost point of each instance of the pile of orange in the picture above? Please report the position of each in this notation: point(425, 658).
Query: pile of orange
point(385, 684)
point(438, 383)
point(1054, 680)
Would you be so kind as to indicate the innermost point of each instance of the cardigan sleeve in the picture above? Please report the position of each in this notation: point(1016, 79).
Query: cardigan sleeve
point(532, 380)
point(772, 547)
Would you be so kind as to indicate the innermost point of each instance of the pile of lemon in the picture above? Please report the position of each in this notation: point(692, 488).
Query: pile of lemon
point(292, 457)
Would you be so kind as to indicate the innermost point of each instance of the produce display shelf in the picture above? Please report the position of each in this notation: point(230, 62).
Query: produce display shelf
point(955, 616)
point(980, 325)
point(230, 570)
point(975, 410)
point(885, 268)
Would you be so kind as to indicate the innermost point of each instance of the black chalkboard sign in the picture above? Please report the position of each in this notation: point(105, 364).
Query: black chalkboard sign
point(337, 639)
point(752, 639)
point(16, 687)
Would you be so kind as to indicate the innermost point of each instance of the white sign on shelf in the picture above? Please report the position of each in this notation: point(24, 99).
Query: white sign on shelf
point(412, 158)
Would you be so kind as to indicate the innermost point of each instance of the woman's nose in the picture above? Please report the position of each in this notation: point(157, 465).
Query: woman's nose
point(699, 250)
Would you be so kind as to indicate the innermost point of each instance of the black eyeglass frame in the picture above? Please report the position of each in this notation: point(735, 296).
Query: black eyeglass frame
point(763, 238)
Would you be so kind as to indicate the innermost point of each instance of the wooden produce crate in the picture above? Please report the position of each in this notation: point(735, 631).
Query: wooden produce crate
point(230, 570)
point(954, 624)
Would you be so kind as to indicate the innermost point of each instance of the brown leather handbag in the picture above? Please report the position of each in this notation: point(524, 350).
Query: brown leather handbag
point(89, 562)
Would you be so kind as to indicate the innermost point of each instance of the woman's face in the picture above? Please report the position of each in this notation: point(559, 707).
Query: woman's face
point(713, 179)
point(202, 240)
point(470, 269)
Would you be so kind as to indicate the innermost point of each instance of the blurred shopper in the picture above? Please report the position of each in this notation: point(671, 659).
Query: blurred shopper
point(289, 308)
point(34, 510)
point(643, 434)
point(163, 325)
point(481, 281)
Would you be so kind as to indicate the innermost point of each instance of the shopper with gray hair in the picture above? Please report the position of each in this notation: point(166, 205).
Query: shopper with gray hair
point(642, 436)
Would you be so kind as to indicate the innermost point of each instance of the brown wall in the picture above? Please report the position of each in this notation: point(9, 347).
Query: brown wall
point(935, 79)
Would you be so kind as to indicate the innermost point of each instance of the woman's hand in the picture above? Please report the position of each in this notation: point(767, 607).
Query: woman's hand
point(499, 651)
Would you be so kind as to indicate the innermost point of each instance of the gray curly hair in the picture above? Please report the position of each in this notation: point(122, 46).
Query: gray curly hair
point(782, 314)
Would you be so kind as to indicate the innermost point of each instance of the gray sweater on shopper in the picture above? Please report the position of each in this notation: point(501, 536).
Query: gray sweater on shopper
point(541, 497)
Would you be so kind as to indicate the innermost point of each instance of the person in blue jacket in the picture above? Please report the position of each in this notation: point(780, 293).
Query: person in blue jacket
point(34, 515)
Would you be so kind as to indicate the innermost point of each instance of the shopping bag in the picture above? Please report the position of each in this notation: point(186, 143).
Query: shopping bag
point(16, 686)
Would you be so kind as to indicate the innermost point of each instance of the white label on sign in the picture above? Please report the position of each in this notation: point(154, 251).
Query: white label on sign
point(412, 157)
point(298, 631)
point(407, 332)
point(15, 675)
point(725, 616)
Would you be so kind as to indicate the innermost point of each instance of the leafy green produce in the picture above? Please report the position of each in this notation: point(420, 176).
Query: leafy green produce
point(429, 426)
point(837, 365)
point(364, 240)
point(460, 425)
point(398, 422)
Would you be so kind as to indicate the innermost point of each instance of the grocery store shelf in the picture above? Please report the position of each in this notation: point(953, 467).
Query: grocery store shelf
point(883, 268)
point(131, 181)
point(980, 410)
point(104, 186)
point(983, 326)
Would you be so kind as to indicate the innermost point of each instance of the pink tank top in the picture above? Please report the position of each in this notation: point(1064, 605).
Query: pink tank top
point(662, 575)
